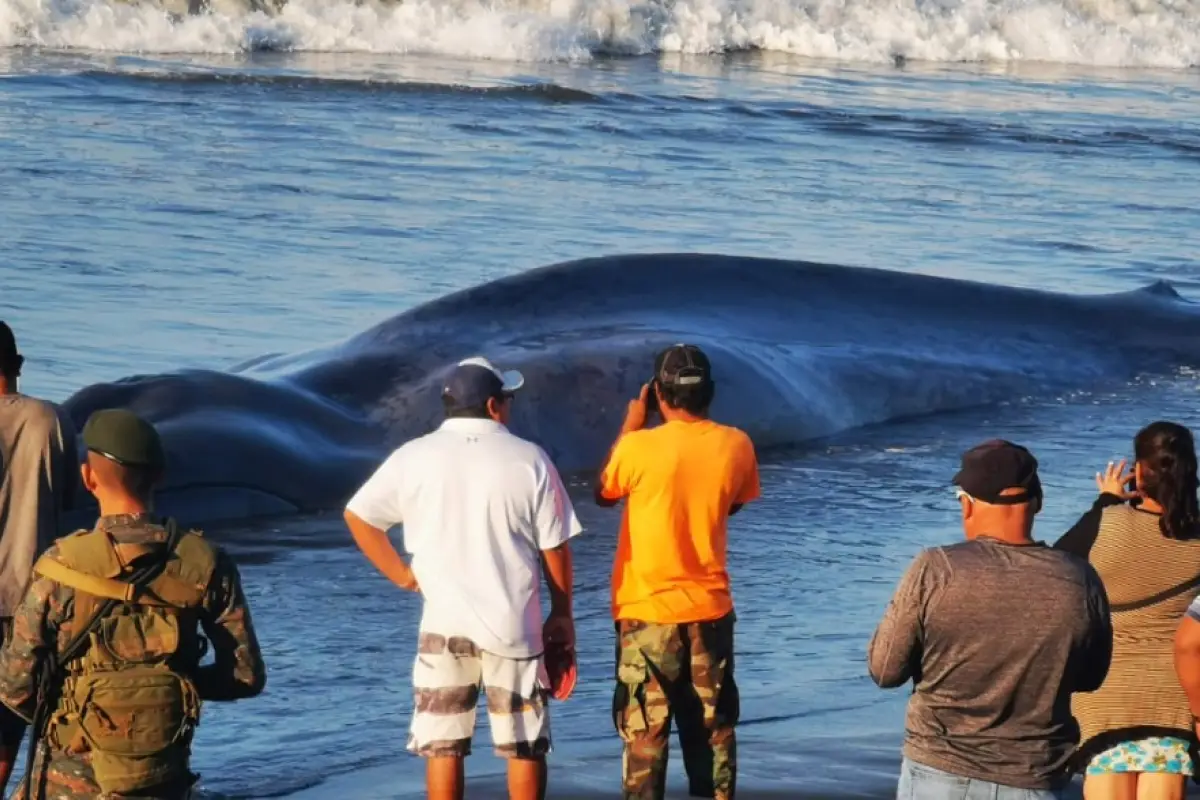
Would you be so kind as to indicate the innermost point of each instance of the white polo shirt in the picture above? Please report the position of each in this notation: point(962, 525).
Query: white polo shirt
point(478, 504)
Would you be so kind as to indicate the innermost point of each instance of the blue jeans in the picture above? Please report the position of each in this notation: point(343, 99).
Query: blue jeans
point(919, 782)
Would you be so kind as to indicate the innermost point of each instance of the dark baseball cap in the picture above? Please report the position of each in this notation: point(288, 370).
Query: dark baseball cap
point(474, 381)
point(997, 466)
point(682, 365)
point(11, 361)
point(125, 438)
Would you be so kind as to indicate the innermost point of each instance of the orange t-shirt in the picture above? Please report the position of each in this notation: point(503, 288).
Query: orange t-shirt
point(680, 480)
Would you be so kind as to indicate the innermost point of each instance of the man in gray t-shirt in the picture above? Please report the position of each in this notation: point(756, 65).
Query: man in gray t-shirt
point(995, 633)
point(39, 470)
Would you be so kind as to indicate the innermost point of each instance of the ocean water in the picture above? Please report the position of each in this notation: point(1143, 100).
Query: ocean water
point(197, 192)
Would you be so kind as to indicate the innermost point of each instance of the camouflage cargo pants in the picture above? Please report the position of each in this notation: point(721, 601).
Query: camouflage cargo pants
point(685, 673)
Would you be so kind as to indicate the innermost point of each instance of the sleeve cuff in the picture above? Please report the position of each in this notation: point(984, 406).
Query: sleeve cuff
point(369, 518)
point(566, 534)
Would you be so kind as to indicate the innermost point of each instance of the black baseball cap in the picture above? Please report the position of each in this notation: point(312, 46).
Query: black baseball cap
point(682, 365)
point(10, 360)
point(997, 466)
point(474, 381)
point(125, 438)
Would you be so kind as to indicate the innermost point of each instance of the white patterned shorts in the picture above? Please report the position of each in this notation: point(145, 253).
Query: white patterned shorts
point(1155, 754)
point(447, 678)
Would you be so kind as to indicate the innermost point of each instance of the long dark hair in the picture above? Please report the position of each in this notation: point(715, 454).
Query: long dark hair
point(1168, 458)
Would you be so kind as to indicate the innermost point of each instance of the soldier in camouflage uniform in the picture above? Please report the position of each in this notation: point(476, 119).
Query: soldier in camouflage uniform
point(671, 597)
point(125, 461)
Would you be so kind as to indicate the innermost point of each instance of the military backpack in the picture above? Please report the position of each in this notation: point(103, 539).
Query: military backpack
point(129, 699)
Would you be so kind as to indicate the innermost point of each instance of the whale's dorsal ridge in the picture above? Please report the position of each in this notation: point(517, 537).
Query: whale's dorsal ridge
point(1162, 288)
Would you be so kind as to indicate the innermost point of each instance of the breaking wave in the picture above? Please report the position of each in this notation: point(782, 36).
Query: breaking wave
point(1110, 33)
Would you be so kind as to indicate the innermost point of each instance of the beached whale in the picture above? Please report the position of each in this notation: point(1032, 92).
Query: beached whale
point(800, 350)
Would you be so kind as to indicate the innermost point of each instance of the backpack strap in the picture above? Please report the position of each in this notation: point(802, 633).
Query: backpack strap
point(166, 590)
point(89, 562)
point(92, 584)
point(93, 552)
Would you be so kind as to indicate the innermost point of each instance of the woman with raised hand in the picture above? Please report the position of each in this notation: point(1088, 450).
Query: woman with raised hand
point(1142, 535)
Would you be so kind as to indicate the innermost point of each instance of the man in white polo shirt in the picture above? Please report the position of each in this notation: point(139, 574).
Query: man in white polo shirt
point(484, 512)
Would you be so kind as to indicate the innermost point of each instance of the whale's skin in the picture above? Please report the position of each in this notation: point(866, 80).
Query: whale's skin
point(800, 350)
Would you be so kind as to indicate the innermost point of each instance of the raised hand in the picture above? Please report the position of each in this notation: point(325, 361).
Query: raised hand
point(1116, 480)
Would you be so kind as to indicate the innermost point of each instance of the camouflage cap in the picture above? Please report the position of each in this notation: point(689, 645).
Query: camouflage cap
point(124, 437)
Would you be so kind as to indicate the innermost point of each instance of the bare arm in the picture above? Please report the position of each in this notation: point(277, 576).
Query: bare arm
point(559, 578)
point(378, 549)
point(560, 625)
point(1187, 659)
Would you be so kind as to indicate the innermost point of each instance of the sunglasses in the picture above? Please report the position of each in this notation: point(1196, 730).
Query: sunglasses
point(1036, 499)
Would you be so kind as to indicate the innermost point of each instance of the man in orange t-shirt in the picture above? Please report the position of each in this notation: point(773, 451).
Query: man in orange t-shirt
point(671, 601)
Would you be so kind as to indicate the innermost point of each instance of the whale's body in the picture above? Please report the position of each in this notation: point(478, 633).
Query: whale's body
point(800, 350)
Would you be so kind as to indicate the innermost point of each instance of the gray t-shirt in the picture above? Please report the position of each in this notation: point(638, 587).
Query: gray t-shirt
point(995, 638)
point(39, 473)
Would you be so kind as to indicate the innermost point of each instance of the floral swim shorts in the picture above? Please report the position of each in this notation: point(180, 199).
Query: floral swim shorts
point(1155, 754)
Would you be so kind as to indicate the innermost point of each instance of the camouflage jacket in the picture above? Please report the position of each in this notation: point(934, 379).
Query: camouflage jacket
point(39, 624)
